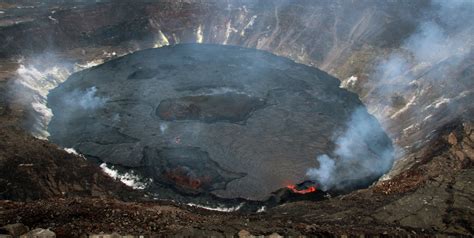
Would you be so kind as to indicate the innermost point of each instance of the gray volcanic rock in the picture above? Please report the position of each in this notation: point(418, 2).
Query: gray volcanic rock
point(225, 120)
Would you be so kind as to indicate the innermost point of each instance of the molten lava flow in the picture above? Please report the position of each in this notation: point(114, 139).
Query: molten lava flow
point(310, 189)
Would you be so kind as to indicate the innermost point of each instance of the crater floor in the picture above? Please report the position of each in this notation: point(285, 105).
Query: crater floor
point(204, 119)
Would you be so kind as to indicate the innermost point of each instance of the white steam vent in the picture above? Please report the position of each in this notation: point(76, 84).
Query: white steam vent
point(35, 77)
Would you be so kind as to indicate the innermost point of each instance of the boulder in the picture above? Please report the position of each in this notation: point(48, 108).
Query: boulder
point(16, 229)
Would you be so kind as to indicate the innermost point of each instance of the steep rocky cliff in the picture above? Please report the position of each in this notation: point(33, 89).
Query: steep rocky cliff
point(32, 169)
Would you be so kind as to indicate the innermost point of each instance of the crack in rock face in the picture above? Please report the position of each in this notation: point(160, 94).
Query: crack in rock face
point(204, 119)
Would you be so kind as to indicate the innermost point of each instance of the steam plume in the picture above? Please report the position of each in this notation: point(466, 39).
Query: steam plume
point(363, 153)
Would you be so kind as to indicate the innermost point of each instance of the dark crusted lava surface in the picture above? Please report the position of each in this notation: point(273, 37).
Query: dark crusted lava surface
point(231, 121)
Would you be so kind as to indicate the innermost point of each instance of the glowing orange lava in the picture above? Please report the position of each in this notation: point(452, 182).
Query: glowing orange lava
point(304, 191)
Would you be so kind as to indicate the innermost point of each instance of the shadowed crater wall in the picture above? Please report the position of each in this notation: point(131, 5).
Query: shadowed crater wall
point(221, 120)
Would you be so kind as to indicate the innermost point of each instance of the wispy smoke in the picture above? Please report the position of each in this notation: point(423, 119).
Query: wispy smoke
point(429, 43)
point(396, 70)
point(78, 103)
point(413, 73)
point(447, 36)
point(323, 174)
point(34, 78)
point(444, 34)
point(86, 100)
point(362, 154)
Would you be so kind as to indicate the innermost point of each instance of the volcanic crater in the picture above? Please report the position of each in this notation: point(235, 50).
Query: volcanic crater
point(205, 120)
